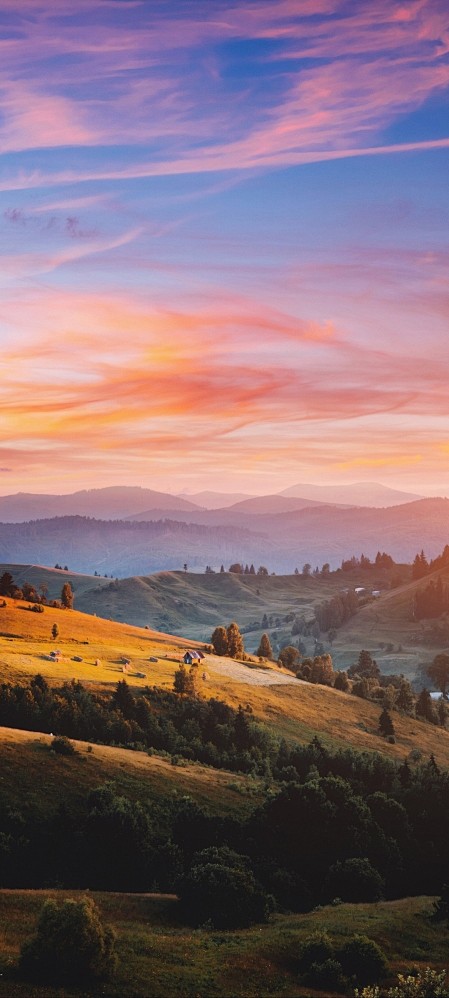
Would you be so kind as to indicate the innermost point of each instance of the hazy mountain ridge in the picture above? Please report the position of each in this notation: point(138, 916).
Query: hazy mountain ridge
point(282, 541)
point(355, 494)
point(122, 547)
point(122, 502)
point(115, 502)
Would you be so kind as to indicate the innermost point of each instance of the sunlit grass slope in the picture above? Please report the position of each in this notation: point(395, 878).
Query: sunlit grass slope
point(159, 957)
point(26, 642)
point(294, 710)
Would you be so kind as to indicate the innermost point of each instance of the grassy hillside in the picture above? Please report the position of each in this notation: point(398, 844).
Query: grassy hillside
point(40, 780)
point(386, 627)
point(157, 956)
point(194, 603)
point(292, 709)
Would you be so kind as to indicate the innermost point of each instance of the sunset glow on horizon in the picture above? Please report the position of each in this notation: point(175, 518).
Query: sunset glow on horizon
point(224, 244)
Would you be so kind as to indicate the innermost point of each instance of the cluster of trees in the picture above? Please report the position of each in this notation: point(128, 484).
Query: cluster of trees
point(337, 610)
point(335, 824)
point(238, 569)
point(421, 566)
point(364, 679)
point(382, 560)
point(228, 641)
point(26, 591)
point(205, 730)
point(431, 601)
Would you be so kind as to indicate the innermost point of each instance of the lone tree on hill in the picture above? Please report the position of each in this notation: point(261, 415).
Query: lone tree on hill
point(7, 585)
point(265, 650)
point(405, 699)
point(55, 631)
point(67, 596)
point(184, 681)
point(71, 944)
point(235, 641)
point(386, 726)
point(219, 640)
point(424, 707)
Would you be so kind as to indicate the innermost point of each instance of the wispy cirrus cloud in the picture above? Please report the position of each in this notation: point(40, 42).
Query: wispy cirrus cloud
point(355, 71)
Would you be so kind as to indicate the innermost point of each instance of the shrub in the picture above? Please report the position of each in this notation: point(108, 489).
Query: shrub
point(362, 960)
point(429, 984)
point(354, 880)
point(220, 890)
point(71, 944)
point(326, 975)
point(62, 746)
point(316, 950)
point(341, 682)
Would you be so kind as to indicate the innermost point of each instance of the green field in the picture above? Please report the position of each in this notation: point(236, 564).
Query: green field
point(158, 957)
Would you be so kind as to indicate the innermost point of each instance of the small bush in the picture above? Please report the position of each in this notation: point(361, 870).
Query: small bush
point(362, 960)
point(354, 880)
point(328, 974)
point(426, 984)
point(62, 746)
point(220, 890)
point(316, 950)
point(71, 944)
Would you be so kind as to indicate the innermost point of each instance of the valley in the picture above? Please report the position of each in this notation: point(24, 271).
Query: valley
point(193, 604)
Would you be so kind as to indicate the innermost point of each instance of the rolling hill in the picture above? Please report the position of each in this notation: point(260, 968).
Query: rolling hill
point(292, 709)
point(194, 604)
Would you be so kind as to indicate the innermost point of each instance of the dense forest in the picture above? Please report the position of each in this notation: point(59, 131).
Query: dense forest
point(334, 823)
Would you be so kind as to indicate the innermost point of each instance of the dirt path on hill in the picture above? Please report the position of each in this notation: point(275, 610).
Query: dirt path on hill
point(252, 676)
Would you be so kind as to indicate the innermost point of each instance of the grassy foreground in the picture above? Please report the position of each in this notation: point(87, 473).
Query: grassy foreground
point(160, 958)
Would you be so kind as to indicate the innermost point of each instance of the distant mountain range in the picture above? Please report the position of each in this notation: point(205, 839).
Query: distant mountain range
point(281, 540)
point(114, 503)
point(123, 502)
point(357, 494)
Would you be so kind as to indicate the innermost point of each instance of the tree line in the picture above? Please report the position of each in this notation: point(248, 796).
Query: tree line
point(38, 596)
point(357, 826)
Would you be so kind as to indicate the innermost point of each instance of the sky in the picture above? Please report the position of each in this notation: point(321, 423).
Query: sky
point(224, 244)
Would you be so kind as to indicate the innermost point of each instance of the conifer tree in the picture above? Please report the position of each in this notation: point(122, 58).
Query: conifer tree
point(219, 640)
point(67, 596)
point(265, 650)
point(235, 641)
point(386, 726)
